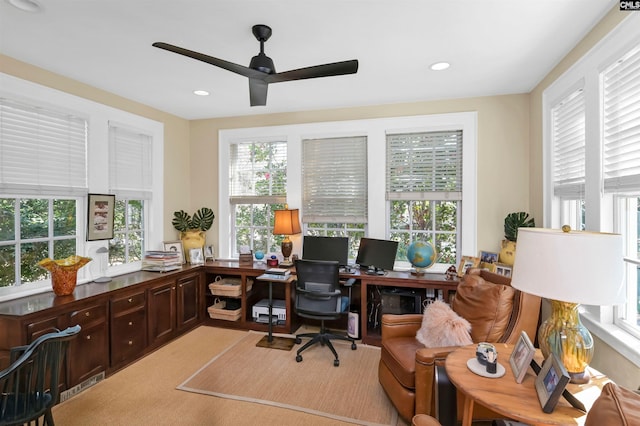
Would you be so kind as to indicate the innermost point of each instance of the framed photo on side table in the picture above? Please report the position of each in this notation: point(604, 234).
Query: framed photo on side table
point(550, 383)
point(521, 356)
point(174, 246)
point(209, 253)
point(100, 209)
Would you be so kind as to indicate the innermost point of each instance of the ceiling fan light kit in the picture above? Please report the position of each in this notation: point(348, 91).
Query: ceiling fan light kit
point(261, 70)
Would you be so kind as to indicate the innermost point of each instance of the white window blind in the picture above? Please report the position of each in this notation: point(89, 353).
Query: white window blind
point(621, 104)
point(424, 166)
point(42, 151)
point(258, 172)
point(334, 179)
point(130, 164)
point(568, 129)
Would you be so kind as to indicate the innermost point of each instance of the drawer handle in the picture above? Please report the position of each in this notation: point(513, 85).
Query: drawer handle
point(130, 342)
point(131, 300)
point(86, 314)
point(130, 323)
point(88, 337)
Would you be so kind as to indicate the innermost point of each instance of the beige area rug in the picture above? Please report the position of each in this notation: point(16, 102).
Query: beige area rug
point(349, 393)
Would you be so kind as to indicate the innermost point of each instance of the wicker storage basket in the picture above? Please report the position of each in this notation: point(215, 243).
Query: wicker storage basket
point(228, 287)
point(217, 311)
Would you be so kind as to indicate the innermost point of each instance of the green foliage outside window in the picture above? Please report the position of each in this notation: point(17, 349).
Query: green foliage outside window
point(40, 235)
point(433, 221)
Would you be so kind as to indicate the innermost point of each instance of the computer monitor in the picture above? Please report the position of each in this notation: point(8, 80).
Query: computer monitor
point(380, 254)
point(326, 248)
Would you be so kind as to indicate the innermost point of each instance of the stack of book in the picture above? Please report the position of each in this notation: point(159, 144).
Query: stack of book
point(161, 261)
point(276, 274)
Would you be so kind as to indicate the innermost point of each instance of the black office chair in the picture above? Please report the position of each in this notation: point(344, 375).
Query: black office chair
point(29, 387)
point(318, 297)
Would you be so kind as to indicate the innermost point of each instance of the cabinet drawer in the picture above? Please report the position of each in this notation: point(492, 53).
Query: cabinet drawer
point(128, 335)
point(89, 315)
point(127, 303)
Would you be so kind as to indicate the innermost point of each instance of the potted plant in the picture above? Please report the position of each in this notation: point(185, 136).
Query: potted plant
point(512, 222)
point(192, 228)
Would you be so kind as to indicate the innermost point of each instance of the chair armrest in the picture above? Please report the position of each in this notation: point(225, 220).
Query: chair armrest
point(400, 325)
point(318, 294)
point(349, 282)
point(426, 361)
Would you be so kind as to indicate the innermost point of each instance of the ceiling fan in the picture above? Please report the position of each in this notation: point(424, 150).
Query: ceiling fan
point(261, 71)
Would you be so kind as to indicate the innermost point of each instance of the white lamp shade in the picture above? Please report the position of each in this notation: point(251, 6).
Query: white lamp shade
point(576, 267)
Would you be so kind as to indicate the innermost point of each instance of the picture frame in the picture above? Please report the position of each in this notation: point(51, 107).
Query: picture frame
point(467, 262)
point(209, 252)
point(174, 246)
point(488, 257)
point(196, 257)
point(521, 356)
point(550, 383)
point(503, 269)
point(100, 208)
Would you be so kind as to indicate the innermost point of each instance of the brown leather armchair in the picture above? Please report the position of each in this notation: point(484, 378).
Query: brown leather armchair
point(411, 374)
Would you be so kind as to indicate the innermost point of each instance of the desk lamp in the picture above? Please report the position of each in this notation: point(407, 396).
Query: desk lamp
point(286, 222)
point(569, 268)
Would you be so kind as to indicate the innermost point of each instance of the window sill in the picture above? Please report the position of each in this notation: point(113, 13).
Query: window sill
point(624, 343)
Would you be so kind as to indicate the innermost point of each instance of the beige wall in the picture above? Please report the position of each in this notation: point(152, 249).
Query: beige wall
point(606, 358)
point(176, 132)
point(503, 147)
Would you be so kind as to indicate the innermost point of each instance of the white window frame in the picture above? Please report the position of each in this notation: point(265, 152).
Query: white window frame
point(98, 116)
point(586, 72)
point(375, 131)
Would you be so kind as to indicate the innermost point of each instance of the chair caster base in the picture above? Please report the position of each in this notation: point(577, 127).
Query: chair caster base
point(353, 346)
point(336, 363)
point(298, 358)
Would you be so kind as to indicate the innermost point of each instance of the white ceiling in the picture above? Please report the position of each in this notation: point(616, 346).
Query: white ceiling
point(494, 47)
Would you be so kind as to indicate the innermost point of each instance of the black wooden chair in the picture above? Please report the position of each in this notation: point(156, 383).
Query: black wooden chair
point(29, 387)
point(318, 297)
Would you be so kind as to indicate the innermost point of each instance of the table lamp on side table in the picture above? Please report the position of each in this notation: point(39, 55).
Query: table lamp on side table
point(569, 268)
point(286, 222)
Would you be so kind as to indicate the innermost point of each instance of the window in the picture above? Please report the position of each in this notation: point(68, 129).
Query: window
point(46, 227)
point(334, 176)
point(35, 224)
point(257, 187)
point(424, 189)
point(621, 167)
point(51, 157)
point(130, 179)
point(568, 123)
point(592, 156)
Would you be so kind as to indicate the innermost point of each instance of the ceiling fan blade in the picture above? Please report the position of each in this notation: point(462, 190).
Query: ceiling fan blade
point(229, 66)
point(258, 92)
point(326, 70)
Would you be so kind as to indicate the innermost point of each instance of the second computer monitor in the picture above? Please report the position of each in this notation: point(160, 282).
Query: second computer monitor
point(326, 248)
point(380, 254)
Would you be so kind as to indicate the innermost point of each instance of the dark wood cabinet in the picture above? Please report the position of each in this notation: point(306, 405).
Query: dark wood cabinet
point(88, 354)
point(128, 327)
point(188, 297)
point(162, 312)
point(121, 321)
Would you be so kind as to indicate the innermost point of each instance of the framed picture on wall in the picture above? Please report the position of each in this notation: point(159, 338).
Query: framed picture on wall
point(100, 216)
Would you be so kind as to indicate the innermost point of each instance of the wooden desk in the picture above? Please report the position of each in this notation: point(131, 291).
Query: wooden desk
point(516, 401)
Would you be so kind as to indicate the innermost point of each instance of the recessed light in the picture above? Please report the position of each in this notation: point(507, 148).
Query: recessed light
point(26, 5)
point(201, 92)
point(439, 66)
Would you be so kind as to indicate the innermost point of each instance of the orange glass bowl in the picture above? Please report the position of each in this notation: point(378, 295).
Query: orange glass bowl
point(64, 273)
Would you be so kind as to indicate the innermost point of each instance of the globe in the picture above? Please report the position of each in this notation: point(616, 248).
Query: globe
point(422, 255)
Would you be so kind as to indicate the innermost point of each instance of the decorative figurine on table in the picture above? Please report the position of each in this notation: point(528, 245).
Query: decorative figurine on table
point(451, 273)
